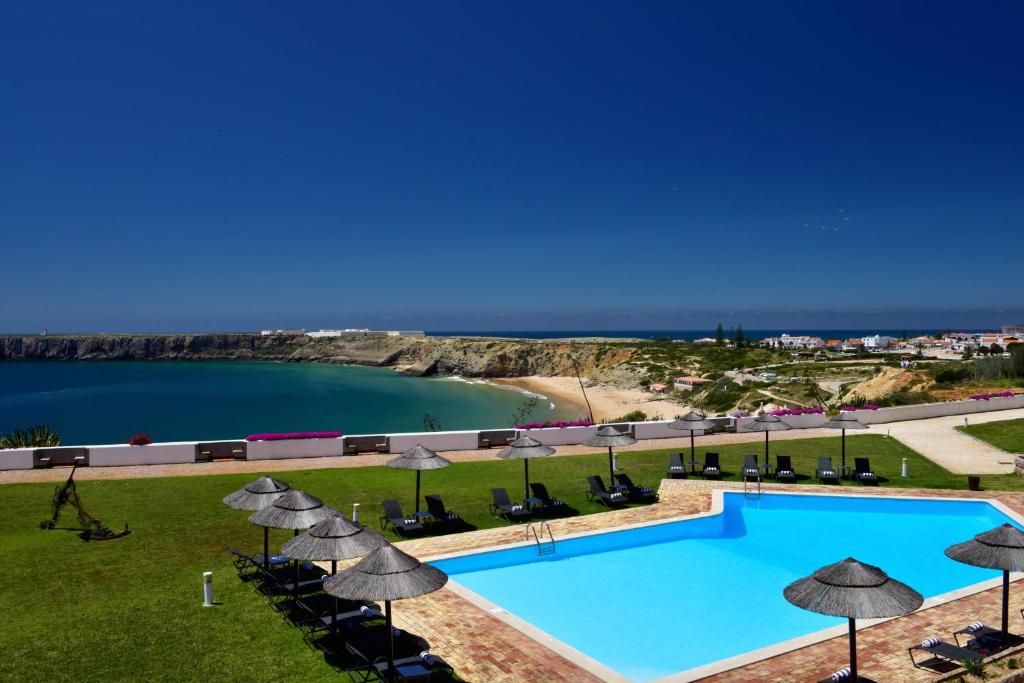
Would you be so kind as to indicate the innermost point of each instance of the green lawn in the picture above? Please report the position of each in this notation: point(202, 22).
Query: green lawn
point(1005, 434)
point(130, 609)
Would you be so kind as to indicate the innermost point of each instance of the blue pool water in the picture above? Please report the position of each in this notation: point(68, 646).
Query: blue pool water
point(658, 600)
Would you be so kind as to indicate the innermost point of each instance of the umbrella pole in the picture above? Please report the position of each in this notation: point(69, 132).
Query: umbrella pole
point(526, 478)
point(391, 641)
point(853, 649)
point(611, 468)
point(1006, 604)
point(766, 449)
point(334, 614)
point(266, 548)
point(296, 587)
point(417, 508)
point(844, 449)
point(693, 453)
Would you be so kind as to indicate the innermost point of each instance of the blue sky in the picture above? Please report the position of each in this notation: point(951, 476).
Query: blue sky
point(483, 165)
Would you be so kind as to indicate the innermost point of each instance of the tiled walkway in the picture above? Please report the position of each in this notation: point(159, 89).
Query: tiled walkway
point(484, 648)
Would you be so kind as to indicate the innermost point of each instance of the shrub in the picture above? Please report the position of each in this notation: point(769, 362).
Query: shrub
point(35, 436)
point(561, 424)
point(633, 416)
point(140, 440)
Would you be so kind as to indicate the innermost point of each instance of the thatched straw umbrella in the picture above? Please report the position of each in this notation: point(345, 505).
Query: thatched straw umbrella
point(609, 437)
point(524, 448)
point(1000, 548)
point(853, 590)
point(294, 510)
point(419, 458)
point(386, 574)
point(766, 422)
point(255, 496)
point(844, 421)
point(692, 422)
point(333, 539)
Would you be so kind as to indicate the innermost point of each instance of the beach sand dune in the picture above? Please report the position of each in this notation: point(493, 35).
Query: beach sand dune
point(607, 402)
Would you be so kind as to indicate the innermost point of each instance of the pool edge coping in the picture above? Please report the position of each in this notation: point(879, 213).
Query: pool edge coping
point(604, 672)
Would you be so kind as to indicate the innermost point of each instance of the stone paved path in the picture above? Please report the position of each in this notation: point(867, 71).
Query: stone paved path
point(938, 440)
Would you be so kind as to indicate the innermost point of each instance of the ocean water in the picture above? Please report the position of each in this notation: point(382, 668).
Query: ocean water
point(95, 402)
point(644, 601)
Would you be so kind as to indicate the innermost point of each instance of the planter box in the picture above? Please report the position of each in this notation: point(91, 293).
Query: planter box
point(153, 454)
point(435, 441)
point(366, 443)
point(220, 450)
point(16, 458)
point(61, 456)
point(293, 448)
point(489, 438)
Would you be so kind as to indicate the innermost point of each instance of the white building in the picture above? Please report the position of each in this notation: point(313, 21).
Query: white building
point(788, 341)
point(877, 342)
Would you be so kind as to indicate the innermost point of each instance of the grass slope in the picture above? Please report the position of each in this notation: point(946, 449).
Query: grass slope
point(1005, 434)
point(130, 609)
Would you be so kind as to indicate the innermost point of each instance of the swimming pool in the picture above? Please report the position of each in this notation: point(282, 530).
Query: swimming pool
point(660, 599)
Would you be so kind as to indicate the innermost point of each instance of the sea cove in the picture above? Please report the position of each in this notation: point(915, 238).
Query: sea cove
point(92, 402)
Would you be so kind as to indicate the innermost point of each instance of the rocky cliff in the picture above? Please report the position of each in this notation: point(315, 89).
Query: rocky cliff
point(469, 357)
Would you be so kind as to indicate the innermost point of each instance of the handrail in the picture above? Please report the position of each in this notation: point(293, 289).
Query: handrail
point(541, 548)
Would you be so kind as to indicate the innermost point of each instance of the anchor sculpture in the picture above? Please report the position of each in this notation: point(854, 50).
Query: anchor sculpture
point(68, 495)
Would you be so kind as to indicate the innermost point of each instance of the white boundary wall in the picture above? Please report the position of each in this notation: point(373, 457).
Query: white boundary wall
point(435, 441)
point(16, 458)
point(168, 453)
point(926, 410)
point(114, 455)
point(293, 448)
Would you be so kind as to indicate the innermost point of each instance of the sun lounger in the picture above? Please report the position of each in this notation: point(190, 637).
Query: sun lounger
point(314, 618)
point(502, 506)
point(676, 468)
point(600, 493)
point(369, 645)
point(394, 518)
point(417, 668)
point(942, 650)
point(784, 469)
point(712, 470)
point(825, 471)
point(247, 564)
point(862, 471)
point(435, 506)
point(643, 494)
point(979, 634)
point(540, 492)
point(751, 472)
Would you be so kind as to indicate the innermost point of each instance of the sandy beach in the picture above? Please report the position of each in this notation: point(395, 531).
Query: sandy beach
point(607, 402)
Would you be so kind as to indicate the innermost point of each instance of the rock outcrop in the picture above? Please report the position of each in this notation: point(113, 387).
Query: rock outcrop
point(469, 357)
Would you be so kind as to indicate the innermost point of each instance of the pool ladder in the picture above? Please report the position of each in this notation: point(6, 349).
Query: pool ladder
point(750, 489)
point(544, 547)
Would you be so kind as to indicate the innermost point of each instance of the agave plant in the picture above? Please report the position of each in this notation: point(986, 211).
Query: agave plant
point(35, 436)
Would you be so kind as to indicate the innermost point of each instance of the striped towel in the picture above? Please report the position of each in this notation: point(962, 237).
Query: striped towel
point(429, 660)
point(370, 612)
point(841, 675)
point(930, 642)
point(975, 627)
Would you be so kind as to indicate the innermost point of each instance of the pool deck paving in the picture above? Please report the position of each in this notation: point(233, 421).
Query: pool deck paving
point(483, 647)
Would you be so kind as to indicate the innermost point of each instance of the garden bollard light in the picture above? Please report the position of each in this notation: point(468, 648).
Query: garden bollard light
point(355, 513)
point(903, 470)
point(207, 589)
point(966, 424)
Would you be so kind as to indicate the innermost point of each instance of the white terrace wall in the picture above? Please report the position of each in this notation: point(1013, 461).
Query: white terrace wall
point(293, 448)
point(794, 421)
point(559, 436)
point(16, 459)
point(927, 410)
point(154, 454)
point(435, 441)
